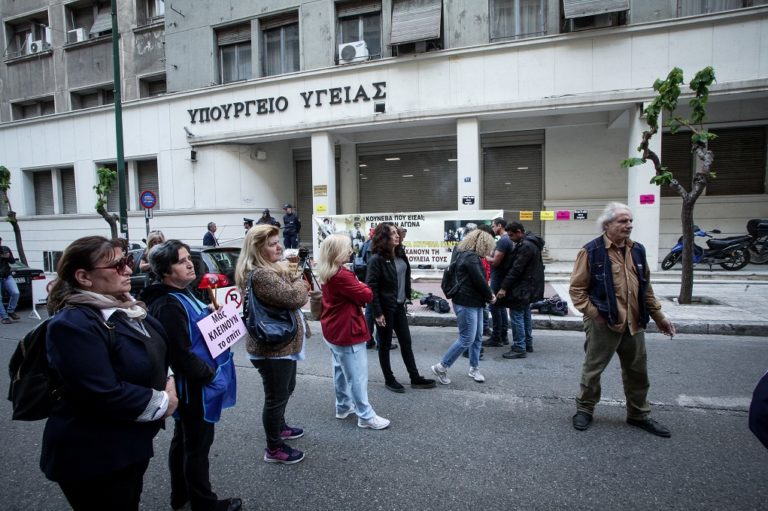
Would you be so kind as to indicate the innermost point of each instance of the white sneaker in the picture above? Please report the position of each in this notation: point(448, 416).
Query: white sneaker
point(442, 373)
point(474, 373)
point(375, 422)
point(344, 415)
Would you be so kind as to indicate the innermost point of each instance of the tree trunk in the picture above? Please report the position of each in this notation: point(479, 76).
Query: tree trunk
point(686, 277)
point(17, 234)
point(111, 219)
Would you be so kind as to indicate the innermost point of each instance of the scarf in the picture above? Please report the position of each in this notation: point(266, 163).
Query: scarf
point(134, 309)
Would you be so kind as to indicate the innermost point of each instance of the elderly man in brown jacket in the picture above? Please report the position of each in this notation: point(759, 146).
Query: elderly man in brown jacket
point(610, 285)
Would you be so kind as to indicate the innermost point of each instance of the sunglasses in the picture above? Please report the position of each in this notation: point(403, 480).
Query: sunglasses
point(119, 265)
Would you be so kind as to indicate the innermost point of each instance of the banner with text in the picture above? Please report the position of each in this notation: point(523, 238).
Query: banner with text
point(221, 329)
point(430, 238)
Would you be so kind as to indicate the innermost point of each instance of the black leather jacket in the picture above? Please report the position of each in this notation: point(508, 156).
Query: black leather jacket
point(474, 290)
point(381, 277)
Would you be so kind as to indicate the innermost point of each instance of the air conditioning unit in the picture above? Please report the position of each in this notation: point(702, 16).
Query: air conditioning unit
point(77, 35)
point(353, 52)
point(37, 46)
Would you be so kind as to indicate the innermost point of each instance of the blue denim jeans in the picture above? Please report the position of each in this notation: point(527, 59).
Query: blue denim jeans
point(10, 286)
point(486, 318)
point(371, 322)
point(520, 323)
point(500, 322)
point(350, 379)
point(470, 322)
point(528, 328)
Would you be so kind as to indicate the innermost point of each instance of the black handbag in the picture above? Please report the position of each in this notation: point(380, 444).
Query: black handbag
point(271, 326)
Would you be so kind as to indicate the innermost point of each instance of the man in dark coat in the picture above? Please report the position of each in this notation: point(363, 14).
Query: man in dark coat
point(209, 240)
point(291, 227)
point(7, 284)
point(522, 284)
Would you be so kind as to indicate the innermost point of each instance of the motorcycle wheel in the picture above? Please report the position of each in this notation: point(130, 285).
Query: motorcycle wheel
point(737, 260)
point(671, 260)
point(757, 257)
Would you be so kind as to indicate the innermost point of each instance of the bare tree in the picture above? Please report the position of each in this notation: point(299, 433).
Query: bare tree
point(665, 102)
point(107, 178)
point(5, 185)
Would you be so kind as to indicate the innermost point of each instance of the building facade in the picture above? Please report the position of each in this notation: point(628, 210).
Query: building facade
point(372, 106)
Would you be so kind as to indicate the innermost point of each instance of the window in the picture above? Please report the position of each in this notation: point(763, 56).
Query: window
point(360, 21)
point(155, 8)
point(54, 191)
point(28, 35)
point(150, 86)
point(280, 44)
point(88, 98)
point(234, 53)
point(515, 19)
point(68, 191)
point(43, 185)
point(146, 173)
point(416, 26)
point(586, 14)
point(33, 108)
point(88, 19)
point(693, 7)
point(740, 159)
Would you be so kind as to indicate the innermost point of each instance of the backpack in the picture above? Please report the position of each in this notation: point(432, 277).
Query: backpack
point(435, 303)
point(34, 386)
point(450, 283)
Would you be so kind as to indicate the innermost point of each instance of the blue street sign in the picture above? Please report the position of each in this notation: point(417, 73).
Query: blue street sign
point(147, 199)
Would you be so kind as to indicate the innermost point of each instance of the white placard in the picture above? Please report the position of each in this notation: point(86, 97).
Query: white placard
point(222, 329)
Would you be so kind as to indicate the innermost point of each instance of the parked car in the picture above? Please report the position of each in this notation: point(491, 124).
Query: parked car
point(23, 275)
point(215, 269)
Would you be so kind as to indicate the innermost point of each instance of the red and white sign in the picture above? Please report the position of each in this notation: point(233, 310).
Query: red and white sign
point(222, 329)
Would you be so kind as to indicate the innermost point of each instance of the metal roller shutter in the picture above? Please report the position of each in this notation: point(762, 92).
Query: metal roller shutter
point(676, 156)
point(146, 171)
point(415, 20)
point(357, 7)
point(740, 158)
point(513, 181)
point(580, 8)
point(422, 179)
point(232, 35)
point(68, 191)
point(43, 193)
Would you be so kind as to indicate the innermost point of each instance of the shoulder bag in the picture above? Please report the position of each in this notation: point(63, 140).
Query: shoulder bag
point(273, 327)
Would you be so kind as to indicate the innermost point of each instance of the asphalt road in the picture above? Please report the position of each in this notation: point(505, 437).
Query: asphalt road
point(504, 444)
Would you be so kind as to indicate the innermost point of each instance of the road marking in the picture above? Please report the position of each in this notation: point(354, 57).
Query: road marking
point(725, 403)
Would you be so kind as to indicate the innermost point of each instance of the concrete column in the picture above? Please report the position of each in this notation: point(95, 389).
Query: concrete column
point(349, 176)
point(468, 154)
point(132, 180)
point(646, 212)
point(323, 179)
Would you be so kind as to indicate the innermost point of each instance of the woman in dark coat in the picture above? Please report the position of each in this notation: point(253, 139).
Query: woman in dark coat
point(115, 390)
point(389, 277)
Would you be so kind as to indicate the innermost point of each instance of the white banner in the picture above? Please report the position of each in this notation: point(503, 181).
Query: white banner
point(430, 238)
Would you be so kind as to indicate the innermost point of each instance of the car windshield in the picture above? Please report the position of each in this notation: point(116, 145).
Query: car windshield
point(224, 260)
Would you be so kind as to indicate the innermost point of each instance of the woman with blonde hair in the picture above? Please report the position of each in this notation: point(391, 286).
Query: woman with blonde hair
point(468, 304)
point(345, 331)
point(275, 285)
point(154, 238)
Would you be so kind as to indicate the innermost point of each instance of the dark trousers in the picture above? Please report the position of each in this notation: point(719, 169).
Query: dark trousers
point(279, 379)
point(188, 459)
point(371, 322)
point(291, 240)
point(118, 491)
point(500, 322)
point(397, 321)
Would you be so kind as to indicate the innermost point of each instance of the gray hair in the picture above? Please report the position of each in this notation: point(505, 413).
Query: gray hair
point(163, 256)
point(610, 213)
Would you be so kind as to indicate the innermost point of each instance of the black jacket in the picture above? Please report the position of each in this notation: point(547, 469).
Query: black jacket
point(474, 290)
point(524, 281)
point(291, 224)
point(381, 277)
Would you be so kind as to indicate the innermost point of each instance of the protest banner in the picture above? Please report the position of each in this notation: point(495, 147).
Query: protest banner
point(222, 329)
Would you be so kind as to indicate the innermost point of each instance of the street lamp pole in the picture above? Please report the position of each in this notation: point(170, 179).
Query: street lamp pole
point(121, 181)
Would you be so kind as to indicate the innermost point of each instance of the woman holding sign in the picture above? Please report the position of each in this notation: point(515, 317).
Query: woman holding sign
point(276, 284)
point(205, 384)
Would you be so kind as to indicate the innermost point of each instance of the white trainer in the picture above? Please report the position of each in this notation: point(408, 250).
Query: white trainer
point(474, 373)
point(442, 373)
point(374, 422)
point(344, 415)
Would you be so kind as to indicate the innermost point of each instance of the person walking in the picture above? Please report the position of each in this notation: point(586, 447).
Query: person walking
point(260, 265)
point(8, 285)
point(389, 277)
point(523, 284)
point(610, 285)
point(345, 331)
point(111, 359)
point(468, 303)
point(209, 239)
point(291, 227)
point(206, 384)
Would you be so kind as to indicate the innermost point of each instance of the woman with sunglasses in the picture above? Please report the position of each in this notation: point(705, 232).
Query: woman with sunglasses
point(111, 361)
point(260, 263)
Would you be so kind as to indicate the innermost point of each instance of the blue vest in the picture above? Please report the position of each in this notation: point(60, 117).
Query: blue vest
point(222, 391)
point(601, 291)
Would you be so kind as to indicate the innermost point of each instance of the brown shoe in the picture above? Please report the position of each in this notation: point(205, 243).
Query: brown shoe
point(15, 316)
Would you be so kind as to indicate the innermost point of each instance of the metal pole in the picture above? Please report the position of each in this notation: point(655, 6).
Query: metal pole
point(121, 181)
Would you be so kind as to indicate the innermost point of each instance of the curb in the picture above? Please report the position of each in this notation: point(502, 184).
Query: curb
point(542, 322)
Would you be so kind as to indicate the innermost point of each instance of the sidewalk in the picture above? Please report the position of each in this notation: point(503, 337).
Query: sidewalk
point(728, 303)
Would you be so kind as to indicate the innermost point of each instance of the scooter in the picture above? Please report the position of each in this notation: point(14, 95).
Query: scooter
point(730, 253)
point(758, 249)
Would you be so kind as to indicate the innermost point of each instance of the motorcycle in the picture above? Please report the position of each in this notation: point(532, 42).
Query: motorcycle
point(730, 253)
point(758, 249)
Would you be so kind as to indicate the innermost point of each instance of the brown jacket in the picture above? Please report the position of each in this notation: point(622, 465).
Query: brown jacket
point(279, 291)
